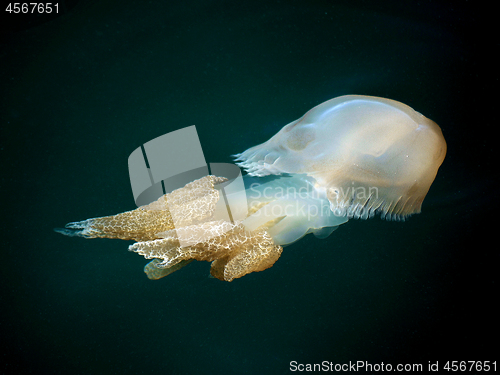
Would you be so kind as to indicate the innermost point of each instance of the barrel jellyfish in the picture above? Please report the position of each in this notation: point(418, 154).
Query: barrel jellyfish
point(349, 157)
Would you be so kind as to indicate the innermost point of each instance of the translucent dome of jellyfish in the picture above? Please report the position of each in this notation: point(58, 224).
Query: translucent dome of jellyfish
point(349, 157)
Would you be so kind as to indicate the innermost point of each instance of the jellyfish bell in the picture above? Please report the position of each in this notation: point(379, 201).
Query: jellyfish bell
point(370, 154)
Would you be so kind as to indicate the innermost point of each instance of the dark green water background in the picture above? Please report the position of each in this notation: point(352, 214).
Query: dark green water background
point(81, 91)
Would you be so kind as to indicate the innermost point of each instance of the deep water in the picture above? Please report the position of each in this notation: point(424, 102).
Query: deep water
point(81, 90)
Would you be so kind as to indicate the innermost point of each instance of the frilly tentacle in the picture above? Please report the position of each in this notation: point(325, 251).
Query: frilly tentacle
point(186, 213)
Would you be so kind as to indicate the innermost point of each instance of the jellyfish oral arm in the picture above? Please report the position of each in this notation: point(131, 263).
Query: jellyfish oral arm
point(294, 208)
